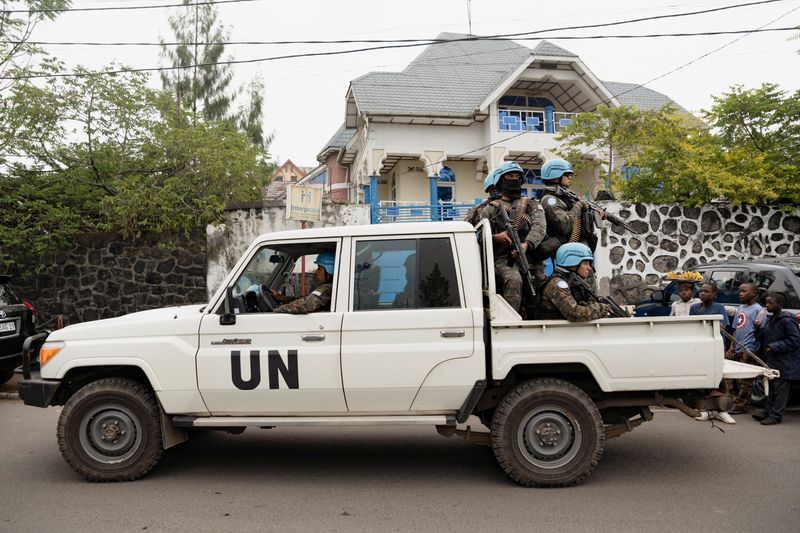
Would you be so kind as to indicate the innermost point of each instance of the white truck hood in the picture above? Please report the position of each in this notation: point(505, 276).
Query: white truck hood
point(177, 320)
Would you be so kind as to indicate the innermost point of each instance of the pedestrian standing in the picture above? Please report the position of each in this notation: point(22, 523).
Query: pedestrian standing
point(745, 338)
point(780, 341)
point(708, 306)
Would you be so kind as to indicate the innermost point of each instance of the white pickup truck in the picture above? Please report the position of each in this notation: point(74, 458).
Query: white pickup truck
point(415, 335)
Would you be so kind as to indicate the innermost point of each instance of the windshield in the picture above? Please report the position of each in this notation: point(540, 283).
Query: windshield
point(260, 270)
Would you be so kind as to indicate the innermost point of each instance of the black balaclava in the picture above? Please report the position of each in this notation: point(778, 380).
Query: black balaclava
point(511, 188)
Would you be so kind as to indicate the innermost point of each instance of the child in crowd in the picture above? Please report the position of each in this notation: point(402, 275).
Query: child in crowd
point(707, 306)
point(745, 337)
point(687, 299)
point(780, 339)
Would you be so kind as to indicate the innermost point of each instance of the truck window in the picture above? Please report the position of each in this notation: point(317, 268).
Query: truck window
point(405, 274)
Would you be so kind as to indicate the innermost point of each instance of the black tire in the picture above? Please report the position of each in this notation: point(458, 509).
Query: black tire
point(6, 375)
point(110, 430)
point(757, 395)
point(567, 427)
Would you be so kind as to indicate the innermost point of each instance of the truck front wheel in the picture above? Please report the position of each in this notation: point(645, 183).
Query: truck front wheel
point(110, 430)
point(547, 433)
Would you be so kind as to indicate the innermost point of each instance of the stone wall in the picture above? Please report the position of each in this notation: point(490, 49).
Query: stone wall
point(669, 237)
point(244, 222)
point(101, 276)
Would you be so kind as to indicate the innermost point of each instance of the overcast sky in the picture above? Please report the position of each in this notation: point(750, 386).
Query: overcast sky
point(305, 97)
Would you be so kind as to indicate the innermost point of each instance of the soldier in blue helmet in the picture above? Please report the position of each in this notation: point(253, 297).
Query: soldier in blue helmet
point(320, 297)
point(564, 296)
point(474, 214)
point(527, 218)
point(562, 212)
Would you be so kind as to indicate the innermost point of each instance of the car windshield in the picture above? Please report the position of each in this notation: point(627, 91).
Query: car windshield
point(8, 296)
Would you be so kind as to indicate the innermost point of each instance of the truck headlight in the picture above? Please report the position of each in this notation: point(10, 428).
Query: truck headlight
point(48, 351)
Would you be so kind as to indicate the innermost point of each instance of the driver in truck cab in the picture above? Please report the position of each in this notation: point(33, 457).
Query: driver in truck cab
point(320, 297)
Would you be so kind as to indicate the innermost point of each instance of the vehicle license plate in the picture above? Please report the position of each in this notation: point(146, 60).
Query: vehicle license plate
point(7, 326)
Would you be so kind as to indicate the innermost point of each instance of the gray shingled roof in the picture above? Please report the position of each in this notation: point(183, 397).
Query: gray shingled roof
point(641, 97)
point(452, 80)
point(546, 48)
point(339, 140)
point(445, 80)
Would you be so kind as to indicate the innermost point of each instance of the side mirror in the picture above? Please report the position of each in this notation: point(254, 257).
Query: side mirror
point(228, 318)
point(657, 296)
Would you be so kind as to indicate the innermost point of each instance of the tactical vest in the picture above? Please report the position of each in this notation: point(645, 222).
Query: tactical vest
point(550, 312)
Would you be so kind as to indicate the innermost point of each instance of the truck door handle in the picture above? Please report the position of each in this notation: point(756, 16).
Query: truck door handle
point(449, 333)
point(314, 337)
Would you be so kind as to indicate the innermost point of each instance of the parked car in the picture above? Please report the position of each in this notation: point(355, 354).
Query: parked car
point(17, 317)
point(768, 274)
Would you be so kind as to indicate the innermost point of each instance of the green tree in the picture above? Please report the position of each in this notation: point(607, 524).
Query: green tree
point(97, 153)
point(747, 151)
point(614, 133)
point(203, 81)
point(16, 27)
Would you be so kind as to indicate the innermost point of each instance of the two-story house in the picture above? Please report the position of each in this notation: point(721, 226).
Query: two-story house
point(417, 144)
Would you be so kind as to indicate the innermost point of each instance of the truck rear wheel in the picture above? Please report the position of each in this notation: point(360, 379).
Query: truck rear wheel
point(547, 433)
point(110, 430)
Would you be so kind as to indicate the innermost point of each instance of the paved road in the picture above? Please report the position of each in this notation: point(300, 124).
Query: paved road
point(673, 474)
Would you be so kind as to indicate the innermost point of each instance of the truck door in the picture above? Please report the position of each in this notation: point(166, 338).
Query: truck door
point(406, 316)
point(272, 363)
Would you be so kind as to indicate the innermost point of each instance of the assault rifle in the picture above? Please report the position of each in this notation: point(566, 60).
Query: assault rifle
point(521, 260)
point(616, 310)
point(614, 219)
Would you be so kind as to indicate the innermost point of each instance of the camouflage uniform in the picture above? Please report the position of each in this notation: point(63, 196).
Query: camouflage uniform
point(531, 228)
point(561, 299)
point(474, 214)
point(562, 215)
point(318, 300)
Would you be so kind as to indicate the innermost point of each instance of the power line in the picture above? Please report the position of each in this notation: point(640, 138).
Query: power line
point(695, 60)
point(123, 8)
point(356, 50)
point(518, 35)
point(423, 41)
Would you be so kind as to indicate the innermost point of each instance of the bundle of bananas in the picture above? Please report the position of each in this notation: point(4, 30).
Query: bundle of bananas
point(684, 276)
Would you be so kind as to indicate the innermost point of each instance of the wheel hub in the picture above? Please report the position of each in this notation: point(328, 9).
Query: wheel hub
point(549, 436)
point(110, 433)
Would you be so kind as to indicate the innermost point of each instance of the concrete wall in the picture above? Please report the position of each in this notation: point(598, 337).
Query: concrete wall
point(670, 237)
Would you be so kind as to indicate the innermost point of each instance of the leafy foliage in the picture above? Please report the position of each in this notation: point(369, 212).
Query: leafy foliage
point(748, 151)
point(16, 28)
point(97, 153)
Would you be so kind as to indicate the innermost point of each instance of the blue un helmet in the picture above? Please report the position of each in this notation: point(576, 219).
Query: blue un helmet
point(489, 182)
point(572, 253)
point(555, 168)
point(506, 168)
point(326, 260)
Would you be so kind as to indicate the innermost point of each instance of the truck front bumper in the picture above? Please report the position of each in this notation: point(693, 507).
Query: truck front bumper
point(37, 392)
point(32, 389)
